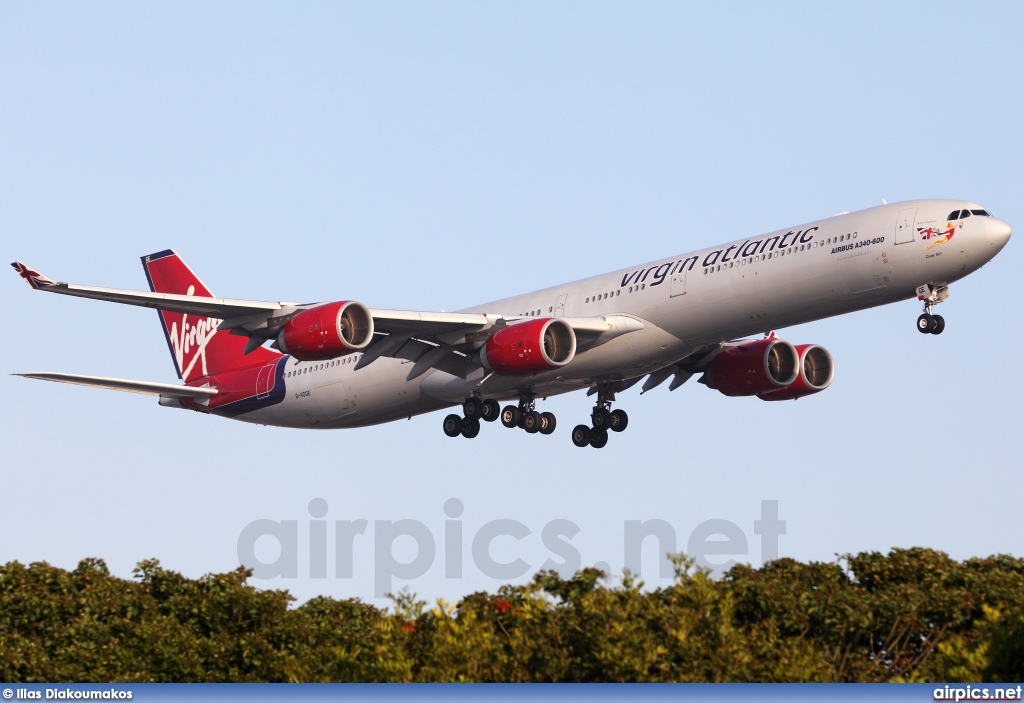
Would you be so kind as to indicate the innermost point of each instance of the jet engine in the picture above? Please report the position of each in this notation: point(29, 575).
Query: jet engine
point(816, 373)
point(753, 368)
point(327, 331)
point(529, 347)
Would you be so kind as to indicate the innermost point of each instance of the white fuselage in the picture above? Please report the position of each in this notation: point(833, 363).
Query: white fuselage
point(829, 267)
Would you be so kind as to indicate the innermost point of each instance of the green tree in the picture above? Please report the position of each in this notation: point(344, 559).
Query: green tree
point(909, 615)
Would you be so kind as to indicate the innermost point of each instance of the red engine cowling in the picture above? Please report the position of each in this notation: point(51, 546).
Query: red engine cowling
point(529, 347)
point(816, 373)
point(327, 331)
point(753, 368)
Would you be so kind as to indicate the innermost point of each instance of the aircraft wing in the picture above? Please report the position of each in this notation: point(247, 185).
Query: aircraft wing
point(243, 313)
point(192, 305)
point(120, 384)
point(442, 340)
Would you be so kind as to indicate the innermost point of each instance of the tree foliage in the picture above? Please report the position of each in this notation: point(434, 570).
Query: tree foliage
point(910, 615)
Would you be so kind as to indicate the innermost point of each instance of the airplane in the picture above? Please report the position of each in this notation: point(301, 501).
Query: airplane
point(341, 364)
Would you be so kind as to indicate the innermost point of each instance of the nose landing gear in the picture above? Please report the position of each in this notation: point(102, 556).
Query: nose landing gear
point(927, 323)
point(602, 419)
point(930, 324)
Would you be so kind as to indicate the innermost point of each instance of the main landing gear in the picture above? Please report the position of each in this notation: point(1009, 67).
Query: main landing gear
point(475, 409)
point(526, 417)
point(927, 323)
point(602, 419)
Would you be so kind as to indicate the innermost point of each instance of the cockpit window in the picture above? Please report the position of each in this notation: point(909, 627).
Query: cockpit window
point(960, 214)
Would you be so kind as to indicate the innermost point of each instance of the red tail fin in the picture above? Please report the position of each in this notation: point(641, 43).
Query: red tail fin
point(197, 348)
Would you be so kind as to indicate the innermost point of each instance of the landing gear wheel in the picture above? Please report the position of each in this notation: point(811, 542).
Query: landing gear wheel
point(470, 428)
point(473, 408)
point(547, 423)
point(598, 438)
point(510, 416)
point(452, 425)
point(600, 418)
point(618, 420)
point(938, 324)
point(532, 422)
point(924, 323)
point(581, 435)
point(490, 410)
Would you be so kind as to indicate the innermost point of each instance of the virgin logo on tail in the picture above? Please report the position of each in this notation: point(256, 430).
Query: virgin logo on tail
point(192, 339)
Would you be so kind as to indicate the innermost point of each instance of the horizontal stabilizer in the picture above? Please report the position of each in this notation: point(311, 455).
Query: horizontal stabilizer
point(120, 384)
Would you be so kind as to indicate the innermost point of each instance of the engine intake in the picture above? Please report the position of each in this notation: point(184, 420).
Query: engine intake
point(327, 331)
point(529, 347)
point(753, 368)
point(816, 373)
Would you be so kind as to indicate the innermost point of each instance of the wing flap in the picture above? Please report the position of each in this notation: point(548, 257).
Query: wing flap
point(428, 324)
point(121, 384)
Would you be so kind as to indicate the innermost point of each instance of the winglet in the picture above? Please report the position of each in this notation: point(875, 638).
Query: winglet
point(33, 278)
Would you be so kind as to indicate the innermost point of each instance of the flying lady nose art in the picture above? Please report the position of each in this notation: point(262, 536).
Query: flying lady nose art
point(939, 235)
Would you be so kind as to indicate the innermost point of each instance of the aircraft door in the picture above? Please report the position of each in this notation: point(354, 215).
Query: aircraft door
point(265, 380)
point(678, 283)
point(560, 305)
point(905, 225)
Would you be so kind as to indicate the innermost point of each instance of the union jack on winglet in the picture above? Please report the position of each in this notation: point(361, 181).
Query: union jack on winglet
point(33, 278)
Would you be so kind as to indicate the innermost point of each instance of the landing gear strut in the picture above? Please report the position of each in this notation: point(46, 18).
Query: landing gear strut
point(602, 419)
point(927, 323)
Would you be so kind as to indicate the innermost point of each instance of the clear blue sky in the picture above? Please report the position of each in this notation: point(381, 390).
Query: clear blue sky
point(431, 156)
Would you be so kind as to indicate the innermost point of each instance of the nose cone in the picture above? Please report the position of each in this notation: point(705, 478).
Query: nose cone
point(998, 234)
